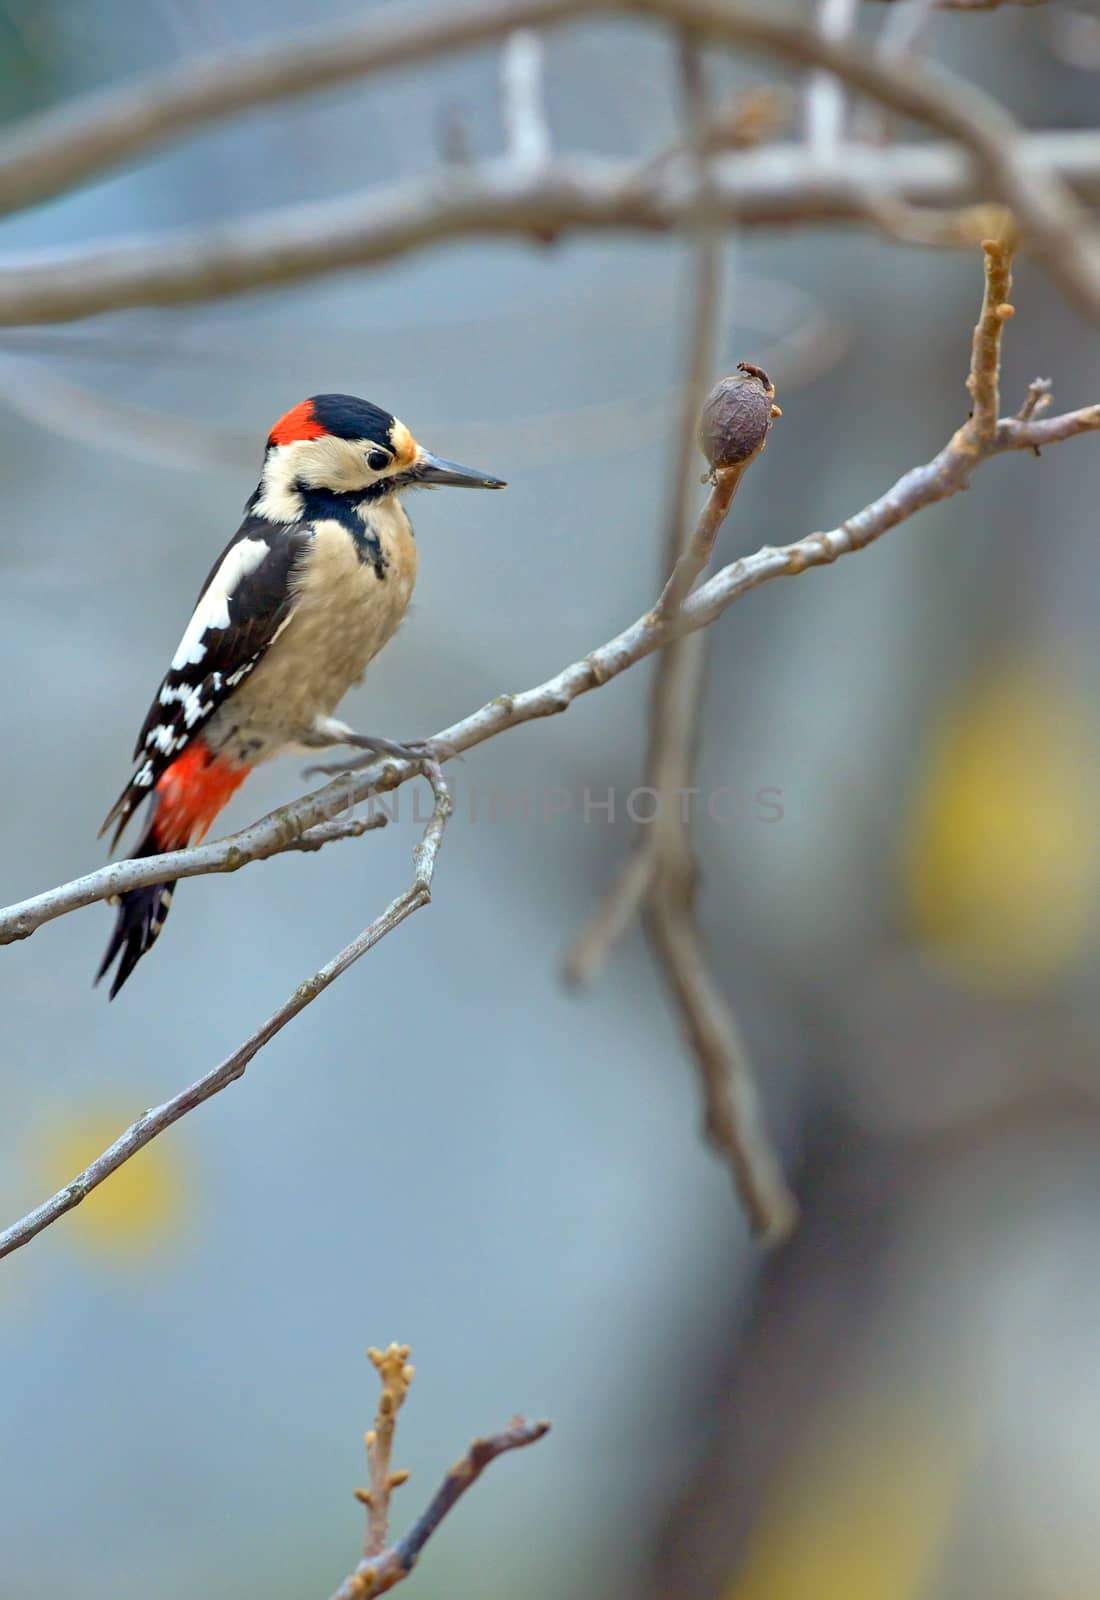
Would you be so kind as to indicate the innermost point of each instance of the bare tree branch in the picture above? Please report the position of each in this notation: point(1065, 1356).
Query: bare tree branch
point(395, 1375)
point(383, 1568)
point(279, 831)
point(494, 200)
point(983, 379)
point(377, 1574)
point(155, 1121)
point(57, 150)
point(503, 197)
point(732, 1116)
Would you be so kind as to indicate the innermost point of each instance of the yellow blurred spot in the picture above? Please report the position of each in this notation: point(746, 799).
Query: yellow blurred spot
point(1001, 852)
point(136, 1206)
point(863, 1518)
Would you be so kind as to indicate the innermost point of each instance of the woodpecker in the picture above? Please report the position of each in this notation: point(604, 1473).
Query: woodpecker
point(311, 586)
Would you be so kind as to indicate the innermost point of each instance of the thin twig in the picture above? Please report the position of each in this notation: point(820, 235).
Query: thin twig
point(1037, 400)
point(157, 1120)
point(697, 553)
point(733, 1120)
point(983, 379)
point(395, 1375)
point(323, 833)
point(376, 1575)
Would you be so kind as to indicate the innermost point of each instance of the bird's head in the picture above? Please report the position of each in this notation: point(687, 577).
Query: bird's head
point(340, 445)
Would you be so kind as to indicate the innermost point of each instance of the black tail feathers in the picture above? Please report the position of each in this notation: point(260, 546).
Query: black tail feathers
point(141, 915)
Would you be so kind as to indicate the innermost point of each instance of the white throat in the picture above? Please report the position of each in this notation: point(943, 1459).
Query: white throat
point(278, 499)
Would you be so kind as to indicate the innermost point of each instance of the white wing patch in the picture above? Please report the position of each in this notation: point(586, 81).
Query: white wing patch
point(189, 697)
point(212, 610)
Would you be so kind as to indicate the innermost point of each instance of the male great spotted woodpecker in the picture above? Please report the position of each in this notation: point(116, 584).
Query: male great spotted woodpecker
point(308, 590)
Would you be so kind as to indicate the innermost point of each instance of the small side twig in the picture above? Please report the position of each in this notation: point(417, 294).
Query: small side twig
point(323, 833)
point(1040, 392)
point(983, 379)
point(395, 1375)
point(383, 1568)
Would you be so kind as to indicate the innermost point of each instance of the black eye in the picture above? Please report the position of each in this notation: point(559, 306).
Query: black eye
point(379, 460)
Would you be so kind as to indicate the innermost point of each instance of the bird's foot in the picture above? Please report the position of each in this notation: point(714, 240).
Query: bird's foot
point(371, 747)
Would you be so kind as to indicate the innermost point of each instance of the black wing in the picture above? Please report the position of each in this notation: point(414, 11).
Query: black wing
point(247, 596)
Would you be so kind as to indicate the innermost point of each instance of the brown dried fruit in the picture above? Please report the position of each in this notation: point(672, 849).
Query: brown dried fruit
point(736, 416)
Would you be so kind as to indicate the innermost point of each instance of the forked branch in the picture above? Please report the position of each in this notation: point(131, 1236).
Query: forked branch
point(384, 1566)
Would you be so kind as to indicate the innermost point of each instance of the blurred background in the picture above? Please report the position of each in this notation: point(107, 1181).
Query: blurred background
point(449, 1149)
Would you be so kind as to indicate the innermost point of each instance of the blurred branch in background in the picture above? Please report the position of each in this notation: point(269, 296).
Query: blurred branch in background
point(967, 5)
point(506, 196)
point(55, 151)
point(826, 102)
point(383, 1568)
point(798, 337)
point(981, 437)
point(660, 873)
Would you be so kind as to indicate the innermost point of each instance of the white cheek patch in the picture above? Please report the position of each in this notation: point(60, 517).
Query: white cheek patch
point(212, 610)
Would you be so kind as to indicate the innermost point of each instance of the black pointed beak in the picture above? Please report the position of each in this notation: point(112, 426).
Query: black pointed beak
point(434, 471)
